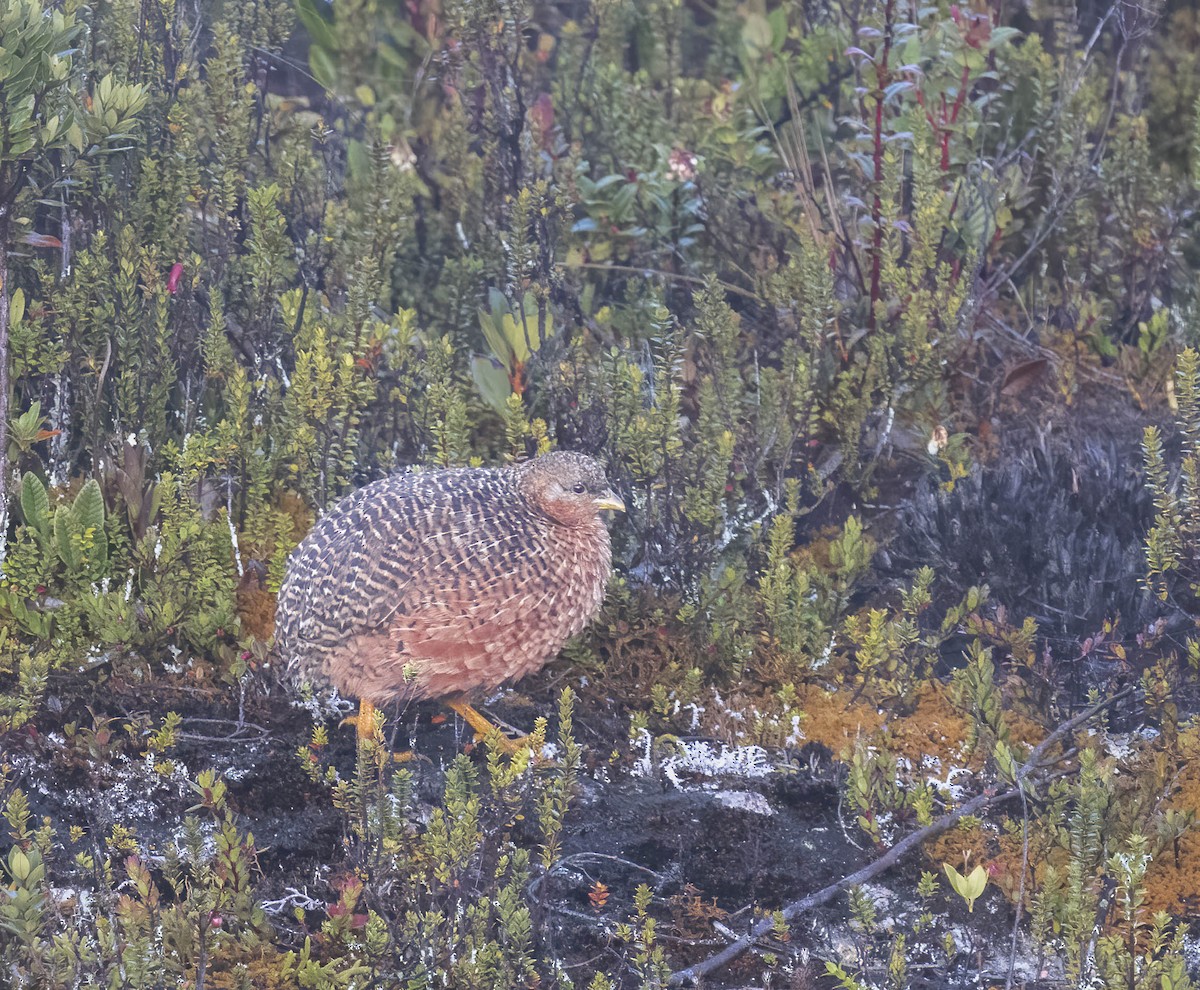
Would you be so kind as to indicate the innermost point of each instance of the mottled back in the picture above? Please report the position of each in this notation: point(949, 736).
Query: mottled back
point(428, 584)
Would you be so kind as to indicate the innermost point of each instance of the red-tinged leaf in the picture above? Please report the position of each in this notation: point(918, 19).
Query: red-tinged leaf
point(173, 278)
point(542, 113)
point(41, 240)
point(45, 435)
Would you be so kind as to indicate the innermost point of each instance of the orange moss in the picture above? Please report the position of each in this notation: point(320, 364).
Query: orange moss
point(1173, 885)
point(302, 516)
point(935, 728)
point(263, 967)
point(1004, 865)
point(836, 720)
point(1174, 888)
point(290, 521)
point(256, 605)
point(1024, 732)
point(256, 608)
point(964, 847)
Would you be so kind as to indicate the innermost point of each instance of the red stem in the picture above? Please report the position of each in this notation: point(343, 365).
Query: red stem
point(958, 105)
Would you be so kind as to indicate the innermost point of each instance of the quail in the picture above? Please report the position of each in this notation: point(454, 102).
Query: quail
point(439, 584)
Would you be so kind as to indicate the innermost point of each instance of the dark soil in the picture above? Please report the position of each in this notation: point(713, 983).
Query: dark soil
point(717, 851)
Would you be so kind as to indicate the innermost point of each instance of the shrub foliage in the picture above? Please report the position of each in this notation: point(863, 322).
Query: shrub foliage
point(772, 262)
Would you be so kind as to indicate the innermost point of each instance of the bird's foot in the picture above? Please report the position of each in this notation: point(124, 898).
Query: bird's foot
point(369, 725)
point(365, 722)
point(484, 729)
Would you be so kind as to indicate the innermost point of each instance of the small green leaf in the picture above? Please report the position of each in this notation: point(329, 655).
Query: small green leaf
point(68, 551)
point(757, 34)
point(317, 17)
point(515, 335)
point(358, 159)
point(970, 887)
point(88, 510)
point(495, 340)
point(492, 381)
point(18, 864)
point(1005, 762)
point(35, 505)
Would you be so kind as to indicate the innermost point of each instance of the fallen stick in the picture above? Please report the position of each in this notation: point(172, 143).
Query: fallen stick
point(889, 859)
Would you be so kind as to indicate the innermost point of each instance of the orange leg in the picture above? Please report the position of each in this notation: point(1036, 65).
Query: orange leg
point(366, 725)
point(364, 721)
point(483, 728)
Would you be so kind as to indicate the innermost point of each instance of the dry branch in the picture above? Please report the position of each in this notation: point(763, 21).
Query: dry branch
point(976, 805)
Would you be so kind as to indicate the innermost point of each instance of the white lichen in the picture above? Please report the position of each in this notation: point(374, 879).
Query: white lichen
point(748, 801)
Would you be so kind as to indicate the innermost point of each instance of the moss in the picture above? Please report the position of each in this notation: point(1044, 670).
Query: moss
point(256, 611)
point(1174, 874)
point(936, 728)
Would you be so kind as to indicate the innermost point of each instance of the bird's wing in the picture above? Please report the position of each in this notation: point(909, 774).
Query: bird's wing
point(467, 572)
point(360, 555)
point(393, 552)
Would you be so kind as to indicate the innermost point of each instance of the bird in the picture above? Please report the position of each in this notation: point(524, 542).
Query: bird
point(438, 584)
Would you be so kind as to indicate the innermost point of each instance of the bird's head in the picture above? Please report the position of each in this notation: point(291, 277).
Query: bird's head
point(570, 488)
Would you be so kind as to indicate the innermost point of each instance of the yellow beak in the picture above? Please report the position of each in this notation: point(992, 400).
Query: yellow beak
point(609, 501)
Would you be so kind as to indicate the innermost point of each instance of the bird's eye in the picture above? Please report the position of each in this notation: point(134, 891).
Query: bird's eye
point(579, 488)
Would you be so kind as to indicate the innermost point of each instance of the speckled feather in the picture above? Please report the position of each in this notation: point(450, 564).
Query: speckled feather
point(430, 584)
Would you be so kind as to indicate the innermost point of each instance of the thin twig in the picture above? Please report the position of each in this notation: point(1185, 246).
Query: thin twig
point(889, 859)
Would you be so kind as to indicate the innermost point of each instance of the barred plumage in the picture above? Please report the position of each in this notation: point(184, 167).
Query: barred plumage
point(439, 583)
